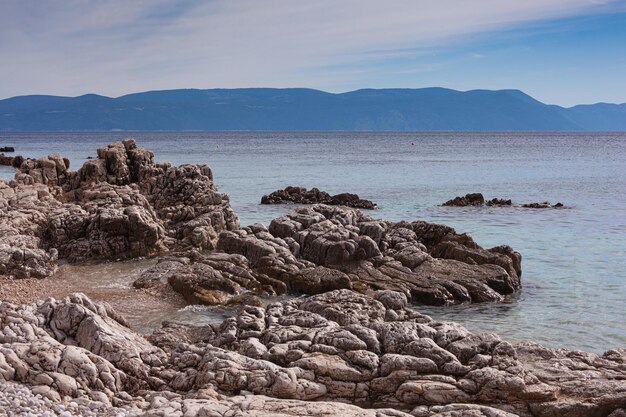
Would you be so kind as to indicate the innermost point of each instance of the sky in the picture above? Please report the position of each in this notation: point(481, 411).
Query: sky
point(563, 52)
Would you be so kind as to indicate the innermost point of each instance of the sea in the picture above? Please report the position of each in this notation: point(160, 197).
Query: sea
point(574, 258)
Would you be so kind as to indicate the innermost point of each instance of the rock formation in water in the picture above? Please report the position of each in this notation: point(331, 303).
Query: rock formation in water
point(321, 248)
point(307, 357)
point(9, 161)
point(7, 149)
point(477, 199)
point(120, 205)
point(301, 195)
point(474, 199)
point(543, 205)
point(499, 202)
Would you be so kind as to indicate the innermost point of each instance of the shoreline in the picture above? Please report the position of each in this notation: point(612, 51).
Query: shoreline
point(349, 338)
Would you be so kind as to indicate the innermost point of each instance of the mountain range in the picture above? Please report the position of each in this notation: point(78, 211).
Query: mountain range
point(300, 109)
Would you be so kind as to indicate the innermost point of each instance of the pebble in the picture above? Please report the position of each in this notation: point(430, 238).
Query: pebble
point(19, 400)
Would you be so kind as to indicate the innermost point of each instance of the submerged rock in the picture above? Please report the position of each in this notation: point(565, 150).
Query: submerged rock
point(309, 356)
point(322, 248)
point(301, 195)
point(543, 205)
point(7, 149)
point(120, 205)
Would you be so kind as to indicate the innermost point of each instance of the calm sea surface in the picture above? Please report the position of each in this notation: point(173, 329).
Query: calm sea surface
point(574, 259)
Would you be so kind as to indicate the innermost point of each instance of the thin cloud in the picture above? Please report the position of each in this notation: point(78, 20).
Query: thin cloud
point(115, 47)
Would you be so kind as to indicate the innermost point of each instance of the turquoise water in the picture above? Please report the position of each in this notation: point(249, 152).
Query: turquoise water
point(574, 259)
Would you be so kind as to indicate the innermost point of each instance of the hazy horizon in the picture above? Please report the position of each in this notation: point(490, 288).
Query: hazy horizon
point(298, 88)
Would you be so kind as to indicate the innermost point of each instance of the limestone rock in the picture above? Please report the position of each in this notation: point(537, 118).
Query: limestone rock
point(120, 205)
point(308, 356)
point(322, 248)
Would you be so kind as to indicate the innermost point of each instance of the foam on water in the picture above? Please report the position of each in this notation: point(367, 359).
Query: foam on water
point(573, 259)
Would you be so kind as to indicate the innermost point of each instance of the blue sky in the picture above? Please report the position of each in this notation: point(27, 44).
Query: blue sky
point(564, 52)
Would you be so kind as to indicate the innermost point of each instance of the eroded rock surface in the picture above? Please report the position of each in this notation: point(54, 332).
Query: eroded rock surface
point(120, 205)
point(301, 195)
point(322, 248)
point(306, 356)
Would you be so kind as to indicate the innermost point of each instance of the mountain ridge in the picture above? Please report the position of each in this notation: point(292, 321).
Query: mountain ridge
point(300, 109)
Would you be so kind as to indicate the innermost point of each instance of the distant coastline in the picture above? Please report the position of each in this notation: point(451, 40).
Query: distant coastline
point(298, 110)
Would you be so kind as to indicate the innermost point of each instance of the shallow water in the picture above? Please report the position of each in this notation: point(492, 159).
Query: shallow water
point(573, 259)
point(112, 282)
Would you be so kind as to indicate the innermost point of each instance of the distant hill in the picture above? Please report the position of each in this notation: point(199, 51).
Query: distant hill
point(297, 109)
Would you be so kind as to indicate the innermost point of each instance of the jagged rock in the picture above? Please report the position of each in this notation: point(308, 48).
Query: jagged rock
point(301, 195)
point(23, 214)
point(322, 248)
point(498, 202)
point(306, 356)
point(475, 199)
point(120, 205)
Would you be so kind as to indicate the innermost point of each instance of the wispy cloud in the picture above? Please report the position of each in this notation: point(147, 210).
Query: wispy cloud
point(119, 46)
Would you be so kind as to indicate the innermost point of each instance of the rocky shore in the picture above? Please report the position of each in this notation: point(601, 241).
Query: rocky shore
point(323, 248)
point(300, 195)
point(121, 205)
point(349, 346)
point(309, 356)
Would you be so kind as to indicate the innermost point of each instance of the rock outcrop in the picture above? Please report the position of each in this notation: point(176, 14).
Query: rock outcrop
point(322, 248)
point(7, 149)
point(23, 217)
point(477, 200)
point(308, 356)
point(120, 205)
point(474, 199)
point(499, 202)
point(301, 195)
point(9, 161)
